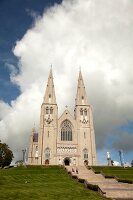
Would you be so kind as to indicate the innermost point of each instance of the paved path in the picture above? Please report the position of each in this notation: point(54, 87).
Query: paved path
point(110, 187)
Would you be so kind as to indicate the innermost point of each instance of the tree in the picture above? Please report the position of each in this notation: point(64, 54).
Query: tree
point(132, 163)
point(6, 155)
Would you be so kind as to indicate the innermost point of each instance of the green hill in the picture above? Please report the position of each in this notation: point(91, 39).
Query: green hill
point(41, 183)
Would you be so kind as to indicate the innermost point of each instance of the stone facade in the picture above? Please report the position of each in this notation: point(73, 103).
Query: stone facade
point(68, 140)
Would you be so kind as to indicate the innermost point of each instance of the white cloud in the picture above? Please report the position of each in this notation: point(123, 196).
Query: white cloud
point(93, 34)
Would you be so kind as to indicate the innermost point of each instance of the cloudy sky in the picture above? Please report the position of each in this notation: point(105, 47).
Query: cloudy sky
point(96, 35)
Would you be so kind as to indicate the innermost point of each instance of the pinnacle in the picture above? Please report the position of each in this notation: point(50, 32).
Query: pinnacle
point(49, 97)
point(81, 98)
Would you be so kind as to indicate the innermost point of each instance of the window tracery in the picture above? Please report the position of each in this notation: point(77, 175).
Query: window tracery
point(66, 131)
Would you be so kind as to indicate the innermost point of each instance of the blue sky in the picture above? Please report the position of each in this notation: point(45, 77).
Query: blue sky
point(15, 19)
point(91, 34)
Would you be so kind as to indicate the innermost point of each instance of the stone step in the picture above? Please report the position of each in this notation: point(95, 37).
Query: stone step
point(119, 194)
point(111, 187)
point(116, 185)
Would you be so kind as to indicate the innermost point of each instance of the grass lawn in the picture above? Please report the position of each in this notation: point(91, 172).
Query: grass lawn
point(41, 183)
point(119, 172)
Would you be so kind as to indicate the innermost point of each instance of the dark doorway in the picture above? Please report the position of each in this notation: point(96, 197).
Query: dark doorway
point(47, 162)
point(86, 162)
point(67, 161)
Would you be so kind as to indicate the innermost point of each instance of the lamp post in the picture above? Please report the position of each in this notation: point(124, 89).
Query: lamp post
point(24, 153)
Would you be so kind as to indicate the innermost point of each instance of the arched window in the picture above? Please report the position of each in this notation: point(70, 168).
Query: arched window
point(51, 110)
point(85, 154)
point(47, 110)
point(47, 153)
point(81, 112)
point(66, 131)
point(85, 112)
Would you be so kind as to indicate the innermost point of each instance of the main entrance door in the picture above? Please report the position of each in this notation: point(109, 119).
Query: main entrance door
point(66, 161)
point(47, 162)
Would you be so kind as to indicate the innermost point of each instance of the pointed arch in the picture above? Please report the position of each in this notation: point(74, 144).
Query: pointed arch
point(47, 110)
point(85, 154)
point(85, 111)
point(51, 110)
point(66, 130)
point(81, 111)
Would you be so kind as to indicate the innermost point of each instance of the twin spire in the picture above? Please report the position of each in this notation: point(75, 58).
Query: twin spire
point(81, 97)
point(49, 97)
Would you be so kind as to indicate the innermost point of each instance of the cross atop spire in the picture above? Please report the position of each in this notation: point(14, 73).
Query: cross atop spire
point(49, 97)
point(81, 97)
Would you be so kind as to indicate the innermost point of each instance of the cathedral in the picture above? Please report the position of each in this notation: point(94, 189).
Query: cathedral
point(67, 139)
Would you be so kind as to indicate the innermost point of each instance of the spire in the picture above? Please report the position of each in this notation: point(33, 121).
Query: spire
point(81, 98)
point(49, 97)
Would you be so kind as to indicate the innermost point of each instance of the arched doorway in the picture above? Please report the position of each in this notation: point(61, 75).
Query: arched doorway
point(47, 162)
point(86, 162)
point(66, 161)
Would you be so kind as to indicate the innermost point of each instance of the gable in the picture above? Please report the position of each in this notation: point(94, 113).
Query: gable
point(66, 116)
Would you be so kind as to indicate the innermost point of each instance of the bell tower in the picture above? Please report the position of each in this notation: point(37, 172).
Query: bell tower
point(48, 125)
point(85, 128)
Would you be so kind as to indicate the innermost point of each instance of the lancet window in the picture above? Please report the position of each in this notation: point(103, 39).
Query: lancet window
point(47, 153)
point(49, 110)
point(83, 112)
point(66, 131)
point(85, 154)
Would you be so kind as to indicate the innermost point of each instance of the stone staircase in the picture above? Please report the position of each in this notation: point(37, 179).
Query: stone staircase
point(108, 187)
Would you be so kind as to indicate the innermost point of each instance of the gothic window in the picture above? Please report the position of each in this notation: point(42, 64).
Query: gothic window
point(66, 131)
point(48, 133)
point(81, 112)
point(85, 112)
point(47, 153)
point(47, 111)
point(51, 110)
point(84, 135)
point(85, 154)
